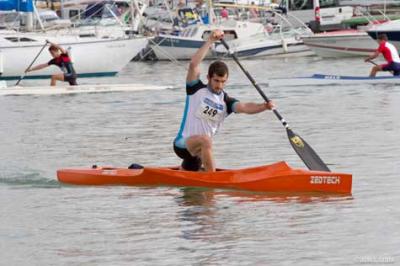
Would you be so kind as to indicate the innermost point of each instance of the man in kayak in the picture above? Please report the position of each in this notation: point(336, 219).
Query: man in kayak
point(61, 59)
point(207, 105)
point(390, 54)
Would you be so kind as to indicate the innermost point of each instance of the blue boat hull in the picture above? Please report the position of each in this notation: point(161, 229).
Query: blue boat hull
point(322, 79)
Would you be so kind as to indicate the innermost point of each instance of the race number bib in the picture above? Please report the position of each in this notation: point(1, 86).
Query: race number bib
point(209, 110)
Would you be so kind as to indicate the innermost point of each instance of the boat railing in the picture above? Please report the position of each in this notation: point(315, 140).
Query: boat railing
point(290, 30)
point(375, 20)
point(92, 19)
point(384, 15)
point(14, 24)
point(101, 26)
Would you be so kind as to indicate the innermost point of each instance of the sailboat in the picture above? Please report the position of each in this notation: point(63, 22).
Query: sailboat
point(92, 56)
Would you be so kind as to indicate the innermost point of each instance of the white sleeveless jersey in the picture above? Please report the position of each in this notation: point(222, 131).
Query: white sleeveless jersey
point(204, 112)
point(389, 52)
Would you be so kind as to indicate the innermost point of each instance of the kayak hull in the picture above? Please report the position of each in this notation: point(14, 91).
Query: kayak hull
point(277, 177)
point(322, 79)
point(87, 88)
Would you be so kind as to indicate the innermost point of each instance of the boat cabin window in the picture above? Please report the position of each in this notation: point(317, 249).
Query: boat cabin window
point(74, 14)
point(193, 32)
point(101, 10)
point(228, 35)
point(185, 32)
point(307, 4)
point(17, 39)
point(88, 35)
point(190, 32)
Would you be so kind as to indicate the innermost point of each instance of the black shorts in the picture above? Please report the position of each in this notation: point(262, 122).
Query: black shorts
point(394, 67)
point(71, 78)
point(189, 163)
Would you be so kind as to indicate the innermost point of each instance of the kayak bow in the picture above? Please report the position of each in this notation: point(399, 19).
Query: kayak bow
point(277, 177)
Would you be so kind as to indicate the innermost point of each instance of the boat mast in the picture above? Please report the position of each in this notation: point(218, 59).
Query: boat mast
point(37, 17)
point(29, 21)
point(136, 14)
point(169, 11)
point(384, 7)
point(211, 14)
point(317, 14)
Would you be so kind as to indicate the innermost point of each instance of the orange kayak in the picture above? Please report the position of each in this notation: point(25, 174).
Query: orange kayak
point(277, 177)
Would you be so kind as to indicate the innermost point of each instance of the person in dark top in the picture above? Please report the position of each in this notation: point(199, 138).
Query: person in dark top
point(63, 61)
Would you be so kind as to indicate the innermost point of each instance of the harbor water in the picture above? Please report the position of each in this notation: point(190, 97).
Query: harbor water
point(354, 129)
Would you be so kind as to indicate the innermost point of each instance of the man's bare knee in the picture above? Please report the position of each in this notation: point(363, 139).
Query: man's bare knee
point(206, 142)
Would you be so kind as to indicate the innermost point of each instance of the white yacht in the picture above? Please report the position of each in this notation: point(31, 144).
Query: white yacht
point(390, 28)
point(91, 56)
point(184, 45)
point(343, 43)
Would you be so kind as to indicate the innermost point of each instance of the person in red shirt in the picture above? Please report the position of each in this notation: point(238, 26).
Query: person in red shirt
point(253, 11)
point(61, 59)
point(390, 54)
point(224, 13)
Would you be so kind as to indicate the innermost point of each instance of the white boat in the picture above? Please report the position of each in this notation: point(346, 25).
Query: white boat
point(322, 79)
point(103, 55)
point(105, 19)
point(344, 43)
point(183, 46)
point(88, 88)
point(390, 28)
point(91, 56)
point(280, 37)
point(265, 44)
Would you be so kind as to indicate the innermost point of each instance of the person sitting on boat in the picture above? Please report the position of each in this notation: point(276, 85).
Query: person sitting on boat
point(207, 105)
point(390, 54)
point(61, 59)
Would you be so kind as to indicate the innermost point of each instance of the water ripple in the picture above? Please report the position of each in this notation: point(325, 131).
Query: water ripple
point(353, 128)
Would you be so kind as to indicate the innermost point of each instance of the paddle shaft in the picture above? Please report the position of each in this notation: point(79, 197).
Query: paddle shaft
point(260, 91)
point(33, 61)
point(305, 152)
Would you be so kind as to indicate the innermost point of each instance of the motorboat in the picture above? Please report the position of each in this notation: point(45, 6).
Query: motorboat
point(190, 39)
point(390, 28)
point(342, 43)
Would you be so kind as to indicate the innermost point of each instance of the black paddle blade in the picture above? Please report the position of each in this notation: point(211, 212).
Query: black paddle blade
point(306, 153)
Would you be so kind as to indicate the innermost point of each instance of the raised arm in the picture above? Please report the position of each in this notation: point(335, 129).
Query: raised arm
point(194, 66)
point(57, 46)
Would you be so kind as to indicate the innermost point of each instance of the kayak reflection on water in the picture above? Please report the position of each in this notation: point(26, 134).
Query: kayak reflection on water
point(202, 208)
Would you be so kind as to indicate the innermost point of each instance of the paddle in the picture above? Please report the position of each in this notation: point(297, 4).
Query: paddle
point(23, 75)
point(305, 152)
